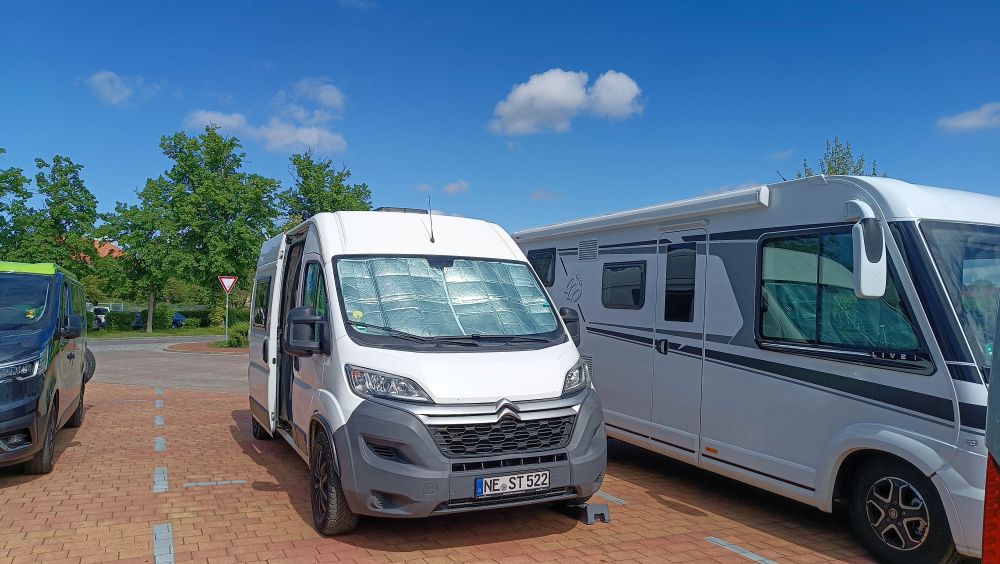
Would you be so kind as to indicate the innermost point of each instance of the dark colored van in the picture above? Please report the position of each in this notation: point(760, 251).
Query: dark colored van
point(44, 361)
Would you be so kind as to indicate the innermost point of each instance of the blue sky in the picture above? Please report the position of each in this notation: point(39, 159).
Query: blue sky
point(443, 99)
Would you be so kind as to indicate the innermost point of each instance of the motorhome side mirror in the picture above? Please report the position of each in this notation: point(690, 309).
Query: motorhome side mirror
point(572, 320)
point(300, 332)
point(869, 259)
point(72, 328)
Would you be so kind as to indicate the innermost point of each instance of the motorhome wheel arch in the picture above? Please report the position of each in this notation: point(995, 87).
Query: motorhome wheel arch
point(812, 338)
point(419, 367)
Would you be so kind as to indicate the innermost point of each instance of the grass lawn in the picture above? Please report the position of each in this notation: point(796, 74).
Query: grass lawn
point(182, 332)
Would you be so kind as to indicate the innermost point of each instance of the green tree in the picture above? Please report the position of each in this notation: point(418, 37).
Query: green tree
point(320, 187)
point(62, 229)
point(839, 159)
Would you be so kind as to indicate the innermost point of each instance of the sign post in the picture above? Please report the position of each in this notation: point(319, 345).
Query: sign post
point(227, 285)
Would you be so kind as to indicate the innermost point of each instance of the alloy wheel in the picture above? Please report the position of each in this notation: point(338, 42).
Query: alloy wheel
point(897, 513)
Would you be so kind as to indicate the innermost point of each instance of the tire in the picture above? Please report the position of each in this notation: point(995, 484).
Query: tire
point(331, 514)
point(896, 512)
point(76, 419)
point(259, 432)
point(44, 459)
point(90, 366)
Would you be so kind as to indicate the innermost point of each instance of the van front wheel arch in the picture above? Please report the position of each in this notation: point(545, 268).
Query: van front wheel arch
point(331, 514)
point(896, 513)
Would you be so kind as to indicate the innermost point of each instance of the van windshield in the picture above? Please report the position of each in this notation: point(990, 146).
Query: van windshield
point(434, 299)
point(968, 258)
point(23, 301)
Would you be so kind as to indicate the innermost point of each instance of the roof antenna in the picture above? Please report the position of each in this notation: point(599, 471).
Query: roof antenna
point(430, 214)
point(782, 177)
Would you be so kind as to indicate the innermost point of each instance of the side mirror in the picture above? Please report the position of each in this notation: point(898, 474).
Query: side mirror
point(72, 328)
point(572, 320)
point(870, 266)
point(300, 332)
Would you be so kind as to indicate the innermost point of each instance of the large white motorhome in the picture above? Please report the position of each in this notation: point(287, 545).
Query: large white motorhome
point(828, 339)
point(419, 368)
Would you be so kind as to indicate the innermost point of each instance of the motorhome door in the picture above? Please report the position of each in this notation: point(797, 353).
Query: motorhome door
point(680, 338)
point(264, 345)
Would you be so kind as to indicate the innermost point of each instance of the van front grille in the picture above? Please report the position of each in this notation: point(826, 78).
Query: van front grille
point(498, 463)
point(537, 495)
point(508, 435)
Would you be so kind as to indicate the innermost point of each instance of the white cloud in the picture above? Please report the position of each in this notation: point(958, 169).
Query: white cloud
point(458, 187)
point(779, 155)
point(424, 187)
point(549, 101)
point(276, 134)
point(115, 90)
point(986, 117)
point(615, 95)
point(320, 91)
point(545, 195)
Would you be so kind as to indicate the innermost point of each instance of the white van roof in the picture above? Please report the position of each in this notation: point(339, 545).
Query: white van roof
point(399, 233)
point(897, 199)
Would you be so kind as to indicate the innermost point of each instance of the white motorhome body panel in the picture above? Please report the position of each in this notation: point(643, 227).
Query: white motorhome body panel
point(262, 371)
point(776, 418)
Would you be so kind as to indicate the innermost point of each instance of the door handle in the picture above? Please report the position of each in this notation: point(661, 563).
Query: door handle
point(662, 346)
point(71, 356)
point(264, 354)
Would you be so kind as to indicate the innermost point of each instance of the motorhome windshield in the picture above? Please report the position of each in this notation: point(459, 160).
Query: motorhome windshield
point(445, 300)
point(23, 301)
point(968, 258)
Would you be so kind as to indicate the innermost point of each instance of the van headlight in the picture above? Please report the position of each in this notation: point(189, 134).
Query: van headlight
point(20, 371)
point(372, 383)
point(577, 378)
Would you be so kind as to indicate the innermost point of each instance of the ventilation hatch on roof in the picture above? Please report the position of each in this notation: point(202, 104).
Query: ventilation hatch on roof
point(587, 250)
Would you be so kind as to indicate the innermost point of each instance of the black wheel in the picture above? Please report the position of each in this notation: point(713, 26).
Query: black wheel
point(331, 514)
point(77, 418)
point(896, 513)
point(259, 432)
point(44, 459)
point(90, 366)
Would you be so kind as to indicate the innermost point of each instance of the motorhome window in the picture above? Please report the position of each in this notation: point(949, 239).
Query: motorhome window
point(679, 295)
point(544, 263)
point(968, 258)
point(430, 297)
point(24, 301)
point(807, 296)
point(261, 302)
point(623, 285)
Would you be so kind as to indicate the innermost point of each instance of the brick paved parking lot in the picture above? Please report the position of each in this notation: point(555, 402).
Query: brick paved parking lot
point(157, 467)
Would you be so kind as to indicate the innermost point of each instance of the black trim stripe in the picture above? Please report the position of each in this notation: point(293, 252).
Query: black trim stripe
point(687, 349)
point(758, 472)
point(637, 339)
point(654, 439)
point(632, 244)
point(563, 263)
point(567, 249)
point(629, 251)
point(754, 234)
point(965, 373)
point(972, 416)
point(582, 316)
point(927, 404)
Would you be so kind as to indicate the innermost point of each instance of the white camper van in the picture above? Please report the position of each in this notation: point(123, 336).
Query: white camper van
point(827, 339)
point(419, 367)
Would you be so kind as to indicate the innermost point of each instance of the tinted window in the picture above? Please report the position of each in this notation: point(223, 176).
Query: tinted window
point(544, 263)
point(314, 292)
point(623, 285)
point(807, 296)
point(679, 298)
point(261, 302)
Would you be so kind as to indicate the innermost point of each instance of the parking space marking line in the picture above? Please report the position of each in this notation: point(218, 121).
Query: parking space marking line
point(216, 483)
point(160, 444)
point(610, 497)
point(128, 401)
point(158, 421)
point(160, 484)
point(738, 550)
point(163, 543)
point(158, 404)
point(159, 391)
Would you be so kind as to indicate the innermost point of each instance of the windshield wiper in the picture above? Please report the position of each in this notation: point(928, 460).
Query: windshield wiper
point(414, 337)
point(508, 338)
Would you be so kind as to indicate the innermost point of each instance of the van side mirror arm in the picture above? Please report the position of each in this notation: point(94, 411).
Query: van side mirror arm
point(572, 320)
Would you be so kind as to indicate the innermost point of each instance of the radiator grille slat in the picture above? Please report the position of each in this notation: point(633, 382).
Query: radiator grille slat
point(505, 436)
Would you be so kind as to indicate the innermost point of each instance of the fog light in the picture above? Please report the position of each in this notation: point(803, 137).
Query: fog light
point(15, 440)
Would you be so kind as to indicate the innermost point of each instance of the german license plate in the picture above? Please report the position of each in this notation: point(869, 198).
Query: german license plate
point(497, 485)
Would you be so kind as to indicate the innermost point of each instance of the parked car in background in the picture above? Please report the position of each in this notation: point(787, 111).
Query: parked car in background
point(100, 317)
point(828, 339)
point(137, 321)
point(178, 320)
point(44, 361)
point(418, 370)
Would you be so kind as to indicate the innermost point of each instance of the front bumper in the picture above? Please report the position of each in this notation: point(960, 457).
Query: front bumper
point(19, 416)
point(390, 465)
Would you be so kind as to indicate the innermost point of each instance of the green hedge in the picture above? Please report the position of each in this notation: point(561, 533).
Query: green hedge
point(91, 318)
point(192, 322)
point(217, 317)
point(163, 316)
point(239, 335)
point(201, 315)
point(120, 320)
